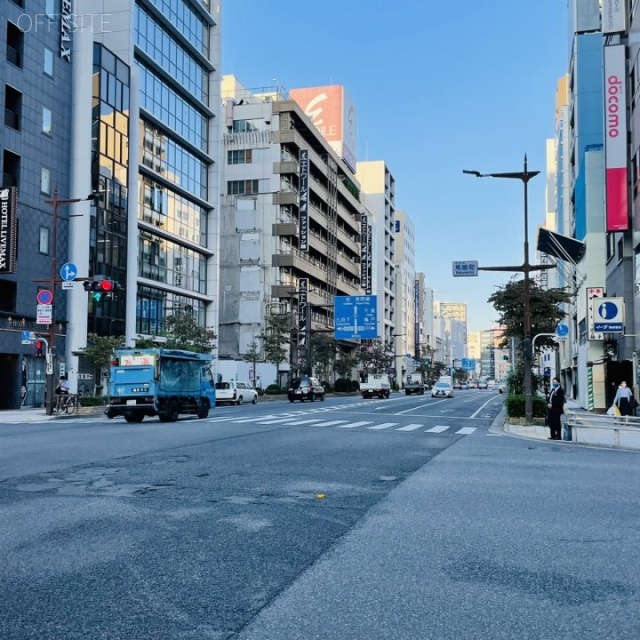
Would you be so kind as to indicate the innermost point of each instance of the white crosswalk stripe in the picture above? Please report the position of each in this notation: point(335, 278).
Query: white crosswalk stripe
point(466, 431)
point(438, 429)
point(353, 425)
point(331, 423)
point(410, 427)
point(384, 425)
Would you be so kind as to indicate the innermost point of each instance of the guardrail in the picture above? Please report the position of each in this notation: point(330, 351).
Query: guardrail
point(617, 432)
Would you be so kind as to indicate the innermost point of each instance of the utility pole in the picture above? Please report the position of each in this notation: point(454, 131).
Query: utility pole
point(524, 176)
point(55, 202)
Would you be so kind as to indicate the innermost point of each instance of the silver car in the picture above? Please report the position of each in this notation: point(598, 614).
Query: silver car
point(442, 389)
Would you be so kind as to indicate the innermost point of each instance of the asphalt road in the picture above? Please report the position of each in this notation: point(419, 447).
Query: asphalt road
point(346, 519)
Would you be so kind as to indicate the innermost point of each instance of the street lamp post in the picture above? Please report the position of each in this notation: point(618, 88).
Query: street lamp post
point(55, 202)
point(524, 176)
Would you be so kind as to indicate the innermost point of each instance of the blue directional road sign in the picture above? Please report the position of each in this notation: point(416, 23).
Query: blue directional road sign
point(356, 317)
point(562, 332)
point(468, 364)
point(608, 315)
point(68, 271)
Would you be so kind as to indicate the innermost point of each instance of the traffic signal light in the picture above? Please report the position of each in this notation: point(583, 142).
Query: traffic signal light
point(101, 287)
point(39, 345)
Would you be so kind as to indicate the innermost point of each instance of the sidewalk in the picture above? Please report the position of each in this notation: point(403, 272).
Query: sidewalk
point(25, 415)
point(595, 431)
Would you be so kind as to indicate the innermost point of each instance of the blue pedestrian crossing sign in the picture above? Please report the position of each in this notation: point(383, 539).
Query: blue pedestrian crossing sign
point(68, 272)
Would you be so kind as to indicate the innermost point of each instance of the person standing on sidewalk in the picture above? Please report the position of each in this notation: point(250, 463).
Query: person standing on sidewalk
point(624, 399)
point(555, 409)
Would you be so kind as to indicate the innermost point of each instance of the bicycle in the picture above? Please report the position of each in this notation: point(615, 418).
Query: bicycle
point(66, 403)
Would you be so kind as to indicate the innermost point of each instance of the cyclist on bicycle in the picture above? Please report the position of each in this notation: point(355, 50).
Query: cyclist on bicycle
point(63, 387)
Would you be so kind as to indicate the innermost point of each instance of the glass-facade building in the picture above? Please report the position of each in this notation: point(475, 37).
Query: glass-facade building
point(172, 51)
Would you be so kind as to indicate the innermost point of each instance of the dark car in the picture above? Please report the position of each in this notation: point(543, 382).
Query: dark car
point(305, 388)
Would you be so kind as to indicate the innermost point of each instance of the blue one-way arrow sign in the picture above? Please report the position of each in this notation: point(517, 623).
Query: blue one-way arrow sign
point(68, 272)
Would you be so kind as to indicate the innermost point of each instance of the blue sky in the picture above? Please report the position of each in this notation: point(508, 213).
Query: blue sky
point(438, 87)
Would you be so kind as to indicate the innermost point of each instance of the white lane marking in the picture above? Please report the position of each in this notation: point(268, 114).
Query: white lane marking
point(473, 415)
point(329, 424)
point(240, 420)
point(428, 404)
point(439, 429)
point(466, 430)
point(410, 427)
point(384, 425)
point(353, 425)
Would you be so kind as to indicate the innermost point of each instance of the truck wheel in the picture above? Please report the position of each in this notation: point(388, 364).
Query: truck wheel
point(203, 411)
point(173, 411)
point(135, 418)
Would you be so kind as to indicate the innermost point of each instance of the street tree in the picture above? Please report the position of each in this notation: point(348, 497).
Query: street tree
point(323, 353)
point(546, 313)
point(276, 337)
point(344, 366)
point(544, 304)
point(100, 350)
point(253, 355)
point(183, 332)
point(374, 356)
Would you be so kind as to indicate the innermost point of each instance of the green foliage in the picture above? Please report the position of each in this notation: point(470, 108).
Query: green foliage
point(544, 304)
point(273, 390)
point(145, 343)
point(344, 366)
point(253, 354)
point(276, 336)
point(514, 406)
point(343, 385)
point(323, 353)
point(374, 355)
point(515, 380)
point(100, 349)
point(328, 387)
point(93, 401)
point(183, 332)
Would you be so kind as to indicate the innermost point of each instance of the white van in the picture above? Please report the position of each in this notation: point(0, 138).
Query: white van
point(235, 392)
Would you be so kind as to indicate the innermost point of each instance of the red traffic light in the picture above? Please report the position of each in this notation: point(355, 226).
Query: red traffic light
point(39, 344)
point(106, 285)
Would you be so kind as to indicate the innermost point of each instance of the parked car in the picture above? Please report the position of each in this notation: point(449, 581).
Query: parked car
point(442, 389)
point(235, 392)
point(464, 385)
point(305, 388)
point(482, 385)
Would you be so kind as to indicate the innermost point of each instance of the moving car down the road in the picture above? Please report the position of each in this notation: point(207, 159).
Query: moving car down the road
point(442, 389)
point(306, 388)
point(235, 392)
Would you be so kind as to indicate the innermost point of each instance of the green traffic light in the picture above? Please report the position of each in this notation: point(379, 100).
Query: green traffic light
point(97, 296)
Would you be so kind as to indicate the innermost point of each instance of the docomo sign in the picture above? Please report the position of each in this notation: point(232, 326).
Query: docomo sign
point(615, 122)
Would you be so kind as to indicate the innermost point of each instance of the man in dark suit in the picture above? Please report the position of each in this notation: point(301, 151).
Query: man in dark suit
point(555, 409)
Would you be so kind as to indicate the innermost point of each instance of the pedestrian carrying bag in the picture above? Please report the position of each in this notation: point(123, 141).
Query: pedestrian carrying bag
point(613, 410)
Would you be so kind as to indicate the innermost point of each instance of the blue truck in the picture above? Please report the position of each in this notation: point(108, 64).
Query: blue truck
point(160, 382)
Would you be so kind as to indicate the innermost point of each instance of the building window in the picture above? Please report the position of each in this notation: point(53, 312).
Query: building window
point(20, 3)
point(15, 44)
point(243, 187)
point(10, 169)
point(45, 181)
point(48, 62)
point(47, 120)
point(43, 241)
point(239, 156)
point(12, 107)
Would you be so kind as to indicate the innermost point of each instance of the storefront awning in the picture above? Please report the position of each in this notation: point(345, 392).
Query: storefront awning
point(559, 246)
